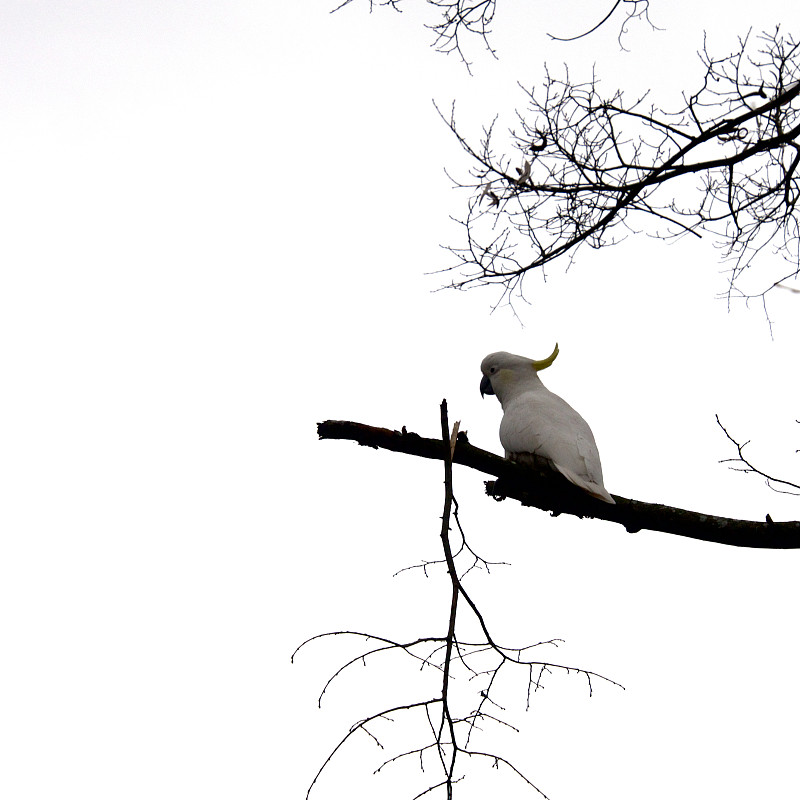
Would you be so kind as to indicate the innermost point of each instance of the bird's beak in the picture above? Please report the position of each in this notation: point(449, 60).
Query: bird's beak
point(486, 386)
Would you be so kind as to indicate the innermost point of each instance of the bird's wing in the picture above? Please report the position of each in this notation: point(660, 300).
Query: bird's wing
point(542, 424)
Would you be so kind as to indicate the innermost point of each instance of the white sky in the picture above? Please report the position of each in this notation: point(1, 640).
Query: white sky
point(217, 220)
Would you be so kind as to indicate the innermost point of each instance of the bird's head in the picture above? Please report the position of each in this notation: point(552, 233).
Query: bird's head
point(503, 370)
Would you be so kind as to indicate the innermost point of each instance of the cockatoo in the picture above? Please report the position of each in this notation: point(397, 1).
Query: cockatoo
point(539, 425)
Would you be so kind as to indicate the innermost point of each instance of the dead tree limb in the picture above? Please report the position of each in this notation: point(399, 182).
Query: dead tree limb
point(549, 492)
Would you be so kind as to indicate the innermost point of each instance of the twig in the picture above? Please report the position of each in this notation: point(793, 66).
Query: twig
point(749, 467)
point(482, 659)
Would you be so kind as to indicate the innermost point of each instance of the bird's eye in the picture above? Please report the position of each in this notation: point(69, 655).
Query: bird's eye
point(492, 370)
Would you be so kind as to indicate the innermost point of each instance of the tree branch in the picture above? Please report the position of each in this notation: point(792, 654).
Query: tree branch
point(748, 466)
point(724, 161)
point(482, 660)
point(548, 491)
point(448, 445)
point(634, 12)
point(462, 21)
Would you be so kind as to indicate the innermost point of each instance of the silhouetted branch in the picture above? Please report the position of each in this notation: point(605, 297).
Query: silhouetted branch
point(582, 168)
point(546, 490)
point(635, 9)
point(463, 20)
point(459, 20)
point(482, 660)
point(747, 466)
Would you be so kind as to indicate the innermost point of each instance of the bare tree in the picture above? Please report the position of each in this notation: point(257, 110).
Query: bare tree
point(586, 169)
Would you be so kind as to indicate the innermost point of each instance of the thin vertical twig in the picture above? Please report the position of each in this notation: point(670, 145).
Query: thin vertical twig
point(447, 718)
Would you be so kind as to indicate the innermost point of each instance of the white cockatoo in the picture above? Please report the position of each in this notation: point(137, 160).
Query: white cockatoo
point(538, 425)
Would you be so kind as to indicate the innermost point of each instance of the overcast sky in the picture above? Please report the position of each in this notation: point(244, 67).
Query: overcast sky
point(219, 224)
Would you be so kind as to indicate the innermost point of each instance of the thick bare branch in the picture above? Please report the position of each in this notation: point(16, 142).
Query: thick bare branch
point(548, 491)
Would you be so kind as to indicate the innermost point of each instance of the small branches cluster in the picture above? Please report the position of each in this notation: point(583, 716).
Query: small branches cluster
point(469, 669)
point(547, 490)
point(583, 168)
point(459, 21)
point(463, 553)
